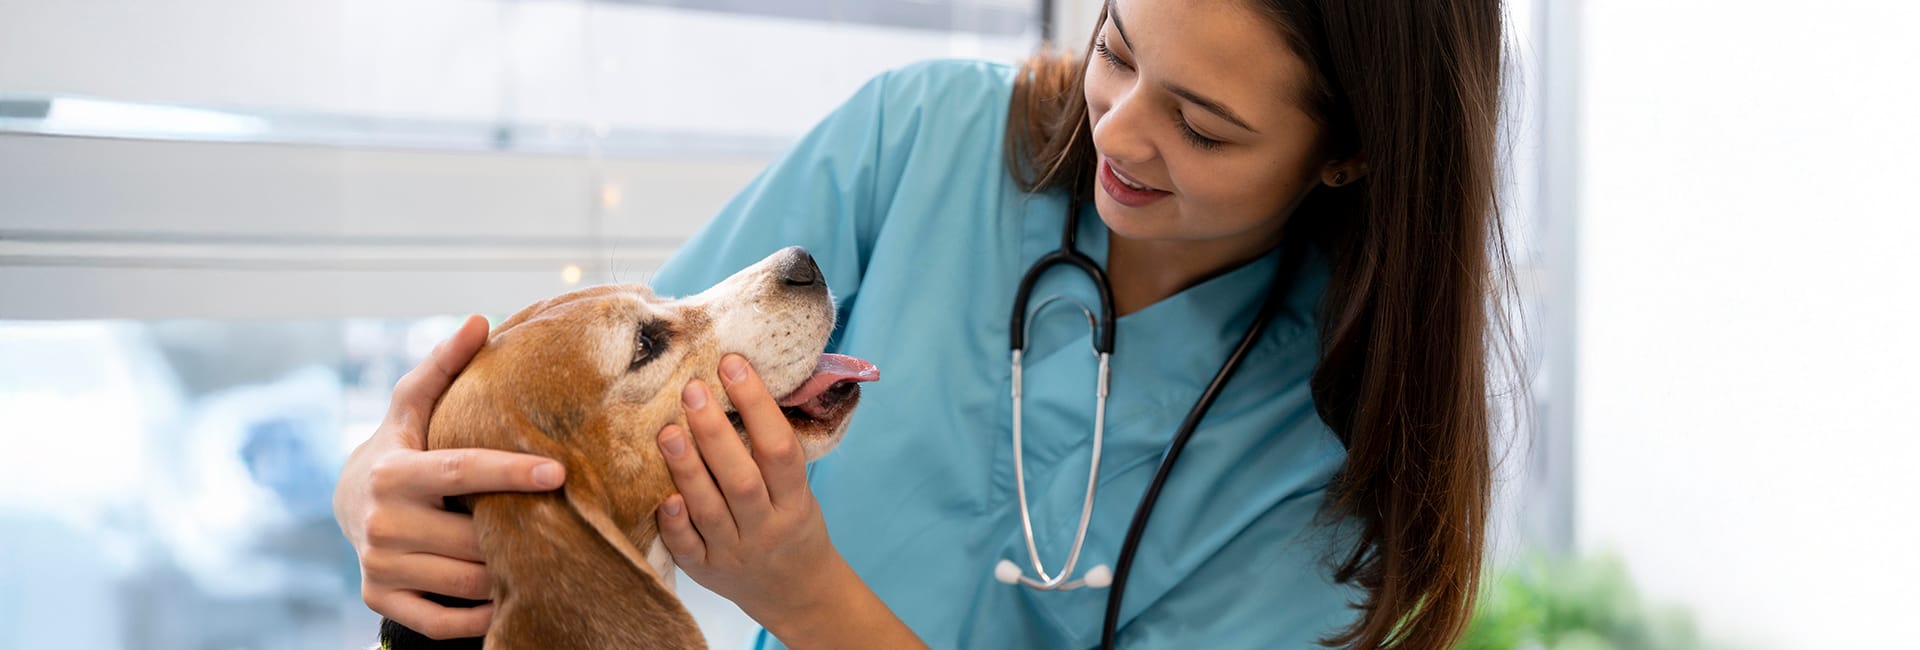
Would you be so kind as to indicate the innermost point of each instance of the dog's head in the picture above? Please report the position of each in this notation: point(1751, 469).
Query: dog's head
point(599, 372)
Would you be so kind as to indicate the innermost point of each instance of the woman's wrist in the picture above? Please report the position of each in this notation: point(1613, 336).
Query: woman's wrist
point(838, 610)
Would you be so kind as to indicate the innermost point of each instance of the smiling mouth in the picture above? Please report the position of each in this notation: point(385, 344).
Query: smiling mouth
point(1129, 182)
point(1127, 191)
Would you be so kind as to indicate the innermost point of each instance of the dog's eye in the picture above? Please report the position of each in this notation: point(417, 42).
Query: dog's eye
point(649, 340)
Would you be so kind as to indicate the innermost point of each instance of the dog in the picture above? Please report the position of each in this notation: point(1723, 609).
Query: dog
point(589, 378)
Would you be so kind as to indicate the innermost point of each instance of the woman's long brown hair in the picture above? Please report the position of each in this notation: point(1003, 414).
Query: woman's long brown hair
point(1411, 313)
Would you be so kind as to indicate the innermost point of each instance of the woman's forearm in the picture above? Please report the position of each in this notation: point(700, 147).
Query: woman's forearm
point(843, 612)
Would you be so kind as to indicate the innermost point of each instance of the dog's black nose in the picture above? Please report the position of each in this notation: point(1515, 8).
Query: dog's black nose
point(799, 270)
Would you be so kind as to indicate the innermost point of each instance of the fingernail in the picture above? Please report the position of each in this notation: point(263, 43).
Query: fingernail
point(734, 368)
point(672, 506)
point(547, 475)
point(674, 444)
point(693, 396)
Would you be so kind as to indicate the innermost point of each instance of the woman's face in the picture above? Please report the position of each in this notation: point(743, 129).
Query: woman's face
point(1200, 104)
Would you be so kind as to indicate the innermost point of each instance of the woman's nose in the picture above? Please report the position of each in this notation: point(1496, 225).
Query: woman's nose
point(1120, 135)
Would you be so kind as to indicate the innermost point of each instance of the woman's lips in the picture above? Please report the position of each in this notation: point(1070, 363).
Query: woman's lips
point(1126, 191)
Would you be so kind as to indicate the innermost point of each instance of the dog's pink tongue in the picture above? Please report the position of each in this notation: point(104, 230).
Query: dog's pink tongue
point(833, 369)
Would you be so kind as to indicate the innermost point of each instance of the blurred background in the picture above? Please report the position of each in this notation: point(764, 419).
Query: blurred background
point(228, 226)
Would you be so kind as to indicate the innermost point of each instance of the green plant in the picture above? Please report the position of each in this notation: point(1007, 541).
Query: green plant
point(1585, 603)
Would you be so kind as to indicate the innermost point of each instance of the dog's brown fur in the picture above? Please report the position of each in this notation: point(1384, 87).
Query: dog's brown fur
point(570, 567)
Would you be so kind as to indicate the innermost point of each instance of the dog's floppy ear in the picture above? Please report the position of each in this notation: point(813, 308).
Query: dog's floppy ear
point(553, 552)
point(585, 493)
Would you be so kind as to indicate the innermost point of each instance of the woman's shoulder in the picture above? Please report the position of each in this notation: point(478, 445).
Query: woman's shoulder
point(946, 88)
point(951, 76)
point(936, 121)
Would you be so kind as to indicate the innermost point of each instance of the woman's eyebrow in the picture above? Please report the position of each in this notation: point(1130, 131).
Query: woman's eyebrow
point(1212, 106)
point(1113, 14)
point(1217, 108)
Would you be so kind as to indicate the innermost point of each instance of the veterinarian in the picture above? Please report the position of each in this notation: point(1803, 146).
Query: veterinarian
point(1336, 159)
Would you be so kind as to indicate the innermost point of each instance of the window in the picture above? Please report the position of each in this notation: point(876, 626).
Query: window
point(227, 228)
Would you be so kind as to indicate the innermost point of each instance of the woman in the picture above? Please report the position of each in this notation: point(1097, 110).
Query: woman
point(1337, 155)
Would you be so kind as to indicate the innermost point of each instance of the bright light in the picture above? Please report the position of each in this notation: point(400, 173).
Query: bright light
point(84, 116)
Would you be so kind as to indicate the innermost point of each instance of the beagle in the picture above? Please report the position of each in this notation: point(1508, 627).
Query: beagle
point(588, 378)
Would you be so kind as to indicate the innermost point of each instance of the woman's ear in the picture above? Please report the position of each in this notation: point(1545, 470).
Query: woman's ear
point(1341, 172)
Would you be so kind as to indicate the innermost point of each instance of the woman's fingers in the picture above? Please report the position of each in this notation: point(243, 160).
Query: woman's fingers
point(430, 573)
point(389, 502)
point(782, 464)
point(676, 530)
point(727, 460)
point(423, 616)
point(430, 475)
point(771, 565)
point(705, 506)
point(416, 392)
point(424, 530)
point(382, 472)
point(389, 507)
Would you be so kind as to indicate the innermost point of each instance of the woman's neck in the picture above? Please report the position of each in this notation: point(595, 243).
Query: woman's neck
point(1144, 272)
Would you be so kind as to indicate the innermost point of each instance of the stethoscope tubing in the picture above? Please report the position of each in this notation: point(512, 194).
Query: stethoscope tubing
point(1068, 255)
point(1104, 328)
point(1123, 566)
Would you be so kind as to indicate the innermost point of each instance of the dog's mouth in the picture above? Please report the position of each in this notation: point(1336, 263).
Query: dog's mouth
point(823, 401)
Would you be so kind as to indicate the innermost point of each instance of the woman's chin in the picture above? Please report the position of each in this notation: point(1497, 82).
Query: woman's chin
point(1158, 221)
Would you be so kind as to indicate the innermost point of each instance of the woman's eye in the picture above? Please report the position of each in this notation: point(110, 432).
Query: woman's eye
point(1197, 140)
point(1100, 47)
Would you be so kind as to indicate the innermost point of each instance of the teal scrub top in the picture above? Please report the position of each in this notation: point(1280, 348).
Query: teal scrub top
point(904, 199)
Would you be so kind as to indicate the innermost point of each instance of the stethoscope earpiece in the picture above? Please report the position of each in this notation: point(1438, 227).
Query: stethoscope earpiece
point(1007, 572)
point(1098, 576)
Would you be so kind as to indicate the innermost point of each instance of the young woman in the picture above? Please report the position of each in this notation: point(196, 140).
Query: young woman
point(1334, 159)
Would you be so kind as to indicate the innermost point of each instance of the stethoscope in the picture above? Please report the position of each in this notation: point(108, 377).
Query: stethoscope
point(1100, 576)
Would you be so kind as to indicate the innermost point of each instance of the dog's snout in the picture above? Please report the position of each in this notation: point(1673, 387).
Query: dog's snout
point(799, 270)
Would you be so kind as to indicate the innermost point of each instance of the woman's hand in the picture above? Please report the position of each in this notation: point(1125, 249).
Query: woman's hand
point(390, 495)
point(746, 525)
point(744, 521)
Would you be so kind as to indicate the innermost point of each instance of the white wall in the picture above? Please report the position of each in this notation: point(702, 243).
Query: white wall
point(1749, 303)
